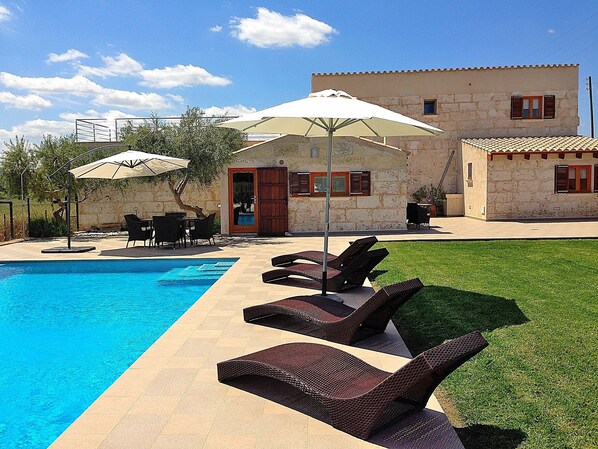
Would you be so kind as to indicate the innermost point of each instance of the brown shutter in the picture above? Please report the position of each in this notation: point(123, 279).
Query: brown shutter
point(595, 178)
point(549, 106)
point(561, 173)
point(516, 107)
point(299, 183)
point(360, 183)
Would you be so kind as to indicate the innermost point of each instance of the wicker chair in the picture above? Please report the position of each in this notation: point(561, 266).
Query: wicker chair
point(320, 317)
point(138, 229)
point(346, 392)
point(351, 276)
point(357, 247)
point(203, 228)
point(168, 229)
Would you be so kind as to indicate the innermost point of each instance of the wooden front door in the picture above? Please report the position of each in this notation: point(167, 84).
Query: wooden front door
point(273, 199)
point(242, 193)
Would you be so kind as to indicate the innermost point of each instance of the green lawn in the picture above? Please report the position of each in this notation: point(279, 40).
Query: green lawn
point(536, 385)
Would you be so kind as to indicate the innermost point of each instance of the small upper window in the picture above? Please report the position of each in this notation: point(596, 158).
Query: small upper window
point(469, 170)
point(430, 107)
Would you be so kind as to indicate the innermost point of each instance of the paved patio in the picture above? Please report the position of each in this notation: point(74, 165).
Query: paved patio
point(170, 397)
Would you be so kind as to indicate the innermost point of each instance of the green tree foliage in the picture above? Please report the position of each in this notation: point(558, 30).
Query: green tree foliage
point(194, 137)
point(17, 160)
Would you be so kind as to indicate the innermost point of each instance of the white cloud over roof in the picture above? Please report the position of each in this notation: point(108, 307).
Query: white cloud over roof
point(272, 29)
point(5, 14)
point(32, 102)
point(229, 111)
point(131, 100)
point(180, 76)
point(69, 55)
point(34, 130)
point(77, 85)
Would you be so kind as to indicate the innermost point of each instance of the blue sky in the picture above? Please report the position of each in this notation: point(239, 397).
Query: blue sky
point(67, 59)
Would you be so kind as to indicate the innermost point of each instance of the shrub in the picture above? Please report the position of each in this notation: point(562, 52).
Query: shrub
point(431, 195)
point(44, 227)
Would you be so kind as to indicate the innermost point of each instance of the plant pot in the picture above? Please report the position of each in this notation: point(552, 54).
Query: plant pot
point(433, 210)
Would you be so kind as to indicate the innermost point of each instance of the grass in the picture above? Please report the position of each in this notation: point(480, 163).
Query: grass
point(536, 302)
point(38, 210)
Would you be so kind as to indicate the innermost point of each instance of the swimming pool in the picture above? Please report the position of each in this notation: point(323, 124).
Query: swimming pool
point(69, 329)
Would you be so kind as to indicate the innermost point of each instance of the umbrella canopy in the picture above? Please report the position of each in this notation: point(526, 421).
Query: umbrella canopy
point(129, 164)
point(330, 110)
point(330, 113)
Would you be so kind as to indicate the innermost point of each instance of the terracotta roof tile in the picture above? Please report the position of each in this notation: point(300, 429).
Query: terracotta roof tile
point(534, 144)
point(447, 70)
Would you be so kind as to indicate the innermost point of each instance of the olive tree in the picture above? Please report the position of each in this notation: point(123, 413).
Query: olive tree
point(16, 163)
point(195, 137)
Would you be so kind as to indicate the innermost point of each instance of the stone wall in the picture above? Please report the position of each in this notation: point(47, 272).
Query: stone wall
point(384, 209)
point(521, 188)
point(470, 103)
point(109, 205)
point(475, 190)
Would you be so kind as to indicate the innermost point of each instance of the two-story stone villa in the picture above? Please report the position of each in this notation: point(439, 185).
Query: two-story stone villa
point(509, 150)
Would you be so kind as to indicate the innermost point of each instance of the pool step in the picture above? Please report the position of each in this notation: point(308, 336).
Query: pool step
point(204, 273)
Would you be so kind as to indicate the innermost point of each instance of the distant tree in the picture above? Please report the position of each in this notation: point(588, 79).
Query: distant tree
point(17, 159)
point(194, 137)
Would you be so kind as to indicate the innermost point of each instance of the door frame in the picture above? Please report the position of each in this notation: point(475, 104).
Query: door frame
point(236, 229)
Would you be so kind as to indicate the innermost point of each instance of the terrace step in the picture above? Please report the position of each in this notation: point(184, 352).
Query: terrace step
point(205, 273)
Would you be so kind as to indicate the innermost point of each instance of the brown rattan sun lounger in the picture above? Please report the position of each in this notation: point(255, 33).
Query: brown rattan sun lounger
point(355, 397)
point(333, 321)
point(350, 276)
point(357, 247)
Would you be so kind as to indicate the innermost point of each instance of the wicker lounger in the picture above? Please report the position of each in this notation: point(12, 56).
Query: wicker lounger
point(353, 275)
point(357, 398)
point(334, 321)
point(357, 247)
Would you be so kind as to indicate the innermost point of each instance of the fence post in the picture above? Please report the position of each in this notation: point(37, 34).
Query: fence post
point(77, 210)
point(28, 216)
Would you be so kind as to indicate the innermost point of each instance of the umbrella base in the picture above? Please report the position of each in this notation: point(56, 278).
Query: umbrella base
point(66, 249)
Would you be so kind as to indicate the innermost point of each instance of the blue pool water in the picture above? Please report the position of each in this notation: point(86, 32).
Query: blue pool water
point(69, 329)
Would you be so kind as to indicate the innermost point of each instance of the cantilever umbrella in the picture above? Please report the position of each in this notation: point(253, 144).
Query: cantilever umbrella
point(129, 164)
point(326, 114)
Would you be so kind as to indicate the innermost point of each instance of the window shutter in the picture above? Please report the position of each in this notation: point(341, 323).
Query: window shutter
point(360, 183)
point(516, 107)
point(299, 183)
point(549, 106)
point(595, 178)
point(561, 173)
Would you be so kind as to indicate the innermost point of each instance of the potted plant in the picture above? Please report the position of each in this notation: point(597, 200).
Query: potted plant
point(432, 195)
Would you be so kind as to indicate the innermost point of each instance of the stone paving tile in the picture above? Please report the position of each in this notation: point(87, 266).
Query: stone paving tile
point(171, 399)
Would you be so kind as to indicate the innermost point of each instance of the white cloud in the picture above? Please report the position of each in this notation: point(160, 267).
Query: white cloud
point(272, 29)
point(109, 116)
point(122, 64)
point(69, 55)
point(77, 85)
point(229, 111)
point(131, 100)
point(31, 101)
point(180, 76)
point(34, 130)
point(551, 30)
point(216, 29)
point(5, 14)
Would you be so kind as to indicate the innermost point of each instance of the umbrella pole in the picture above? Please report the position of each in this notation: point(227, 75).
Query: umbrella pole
point(327, 213)
point(68, 208)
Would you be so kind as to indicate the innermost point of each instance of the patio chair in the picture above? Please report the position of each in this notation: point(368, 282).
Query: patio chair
point(357, 247)
point(137, 229)
point(168, 229)
point(351, 276)
point(320, 317)
point(343, 390)
point(175, 214)
point(203, 228)
point(418, 215)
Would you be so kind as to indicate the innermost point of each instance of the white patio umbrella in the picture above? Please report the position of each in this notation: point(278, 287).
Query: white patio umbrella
point(129, 164)
point(326, 114)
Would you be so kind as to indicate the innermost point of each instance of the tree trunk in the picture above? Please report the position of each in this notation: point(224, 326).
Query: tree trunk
point(177, 192)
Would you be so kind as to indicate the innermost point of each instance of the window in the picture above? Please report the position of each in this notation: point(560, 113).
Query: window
point(572, 178)
point(533, 107)
point(470, 171)
point(343, 183)
point(429, 107)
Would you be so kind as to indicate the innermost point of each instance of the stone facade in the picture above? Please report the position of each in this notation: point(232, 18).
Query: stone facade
point(503, 189)
point(384, 209)
point(469, 103)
